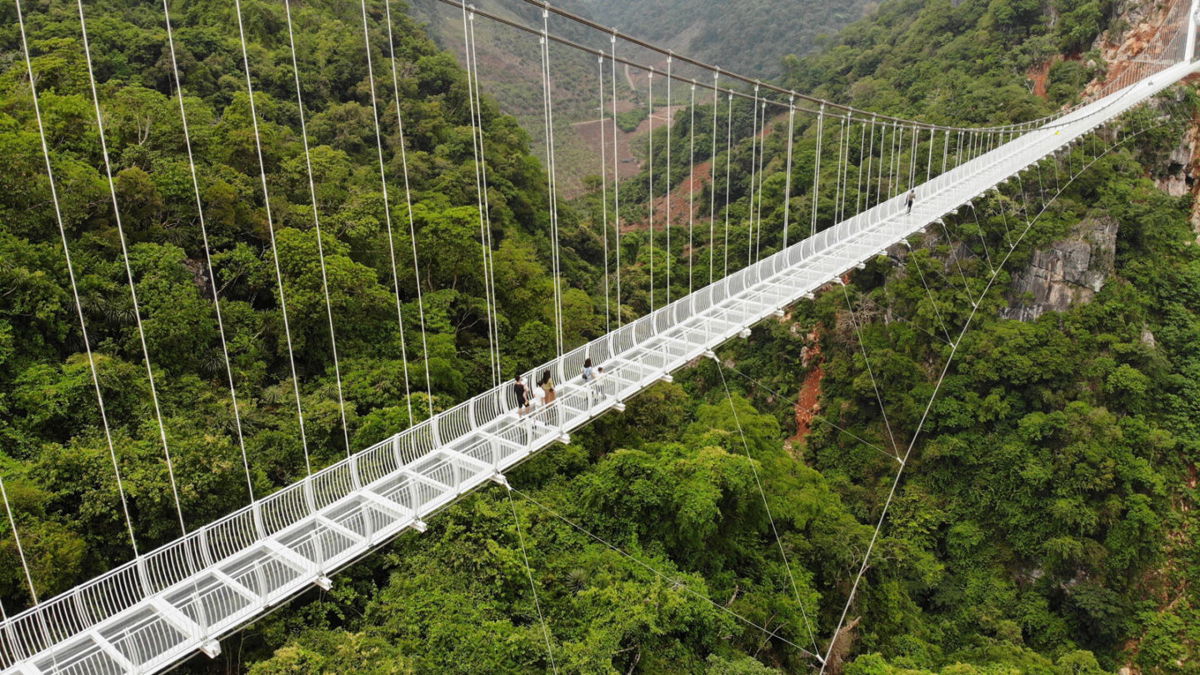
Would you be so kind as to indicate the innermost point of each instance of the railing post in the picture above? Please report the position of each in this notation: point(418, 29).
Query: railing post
point(355, 480)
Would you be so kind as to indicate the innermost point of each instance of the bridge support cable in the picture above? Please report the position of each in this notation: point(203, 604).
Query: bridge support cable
point(312, 191)
point(650, 158)
point(929, 162)
point(691, 190)
point(842, 215)
point(928, 292)
point(670, 126)
point(551, 182)
point(787, 179)
point(844, 162)
point(862, 345)
point(481, 187)
point(675, 582)
point(912, 160)
point(604, 196)
point(762, 151)
point(767, 507)
point(883, 131)
point(112, 192)
point(728, 175)
point(412, 227)
point(954, 255)
point(865, 196)
point(755, 138)
point(816, 190)
point(62, 231)
point(262, 172)
point(712, 183)
point(529, 574)
point(212, 277)
point(387, 210)
point(616, 177)
point(945, 149)
point(929, 406)
point(983, 241)
point(490, 267)
point(12, 523)
point(817, 417)
point(895, 166)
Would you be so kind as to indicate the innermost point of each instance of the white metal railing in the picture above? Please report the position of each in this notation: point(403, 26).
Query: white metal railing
point(153, 611)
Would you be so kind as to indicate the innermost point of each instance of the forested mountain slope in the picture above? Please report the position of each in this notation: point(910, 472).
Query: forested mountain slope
point(718, 32)
point(55, 456)
point(1046, 520)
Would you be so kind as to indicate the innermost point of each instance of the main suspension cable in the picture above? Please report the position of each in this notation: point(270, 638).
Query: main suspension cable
point(529, 574)
point(766, 506)
point(675, 582)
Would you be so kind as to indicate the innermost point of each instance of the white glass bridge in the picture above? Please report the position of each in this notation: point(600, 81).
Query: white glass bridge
point(161, 608)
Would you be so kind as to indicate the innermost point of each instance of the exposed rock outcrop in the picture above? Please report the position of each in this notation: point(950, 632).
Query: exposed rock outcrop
point(1070, 271)
point(1177, 177)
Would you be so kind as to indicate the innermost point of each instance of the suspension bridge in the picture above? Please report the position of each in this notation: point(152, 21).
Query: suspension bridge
point(166, 604)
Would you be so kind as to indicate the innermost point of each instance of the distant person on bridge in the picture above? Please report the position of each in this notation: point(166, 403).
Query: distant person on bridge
point(912, 197)
point(589, 378)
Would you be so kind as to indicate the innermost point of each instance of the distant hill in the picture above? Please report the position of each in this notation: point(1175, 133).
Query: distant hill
point(509, 61)
point(718, 31)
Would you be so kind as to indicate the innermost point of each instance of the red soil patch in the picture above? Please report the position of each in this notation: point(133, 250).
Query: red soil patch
point(1039, 75)
point(808, 402)
point(701, 174)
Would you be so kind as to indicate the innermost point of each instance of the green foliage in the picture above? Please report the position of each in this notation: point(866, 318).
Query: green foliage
point(1045, 518)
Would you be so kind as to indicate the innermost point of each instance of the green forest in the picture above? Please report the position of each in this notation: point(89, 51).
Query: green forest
point(1044, 522)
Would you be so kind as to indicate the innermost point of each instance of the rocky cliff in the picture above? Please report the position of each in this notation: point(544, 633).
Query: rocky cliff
point(1070, 271)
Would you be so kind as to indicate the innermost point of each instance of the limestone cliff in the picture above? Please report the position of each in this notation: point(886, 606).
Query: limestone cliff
point(1070, 271)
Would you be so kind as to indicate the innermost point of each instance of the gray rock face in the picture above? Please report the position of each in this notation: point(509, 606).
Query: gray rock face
point(1070, 271)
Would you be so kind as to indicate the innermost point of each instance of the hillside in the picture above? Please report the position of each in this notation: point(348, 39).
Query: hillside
point(1045, 522)
point(717, 32)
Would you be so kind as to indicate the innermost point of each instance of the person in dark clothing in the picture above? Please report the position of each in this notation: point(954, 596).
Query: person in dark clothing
point(521, 393)
point(912, 197)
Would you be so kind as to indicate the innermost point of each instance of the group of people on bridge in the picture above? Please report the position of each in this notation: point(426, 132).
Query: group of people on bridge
point(543, 392)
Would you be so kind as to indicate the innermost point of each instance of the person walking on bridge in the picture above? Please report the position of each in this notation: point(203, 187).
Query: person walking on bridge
point(912, 197)
point(521, 393)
